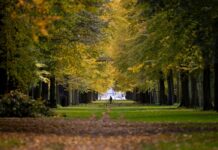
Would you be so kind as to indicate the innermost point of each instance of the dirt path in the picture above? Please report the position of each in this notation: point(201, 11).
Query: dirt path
point(58, 133)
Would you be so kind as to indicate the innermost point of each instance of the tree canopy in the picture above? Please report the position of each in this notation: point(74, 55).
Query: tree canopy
point(91, 45)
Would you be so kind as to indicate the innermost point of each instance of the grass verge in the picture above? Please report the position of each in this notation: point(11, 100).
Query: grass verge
point(191, 141)
point(131, 111)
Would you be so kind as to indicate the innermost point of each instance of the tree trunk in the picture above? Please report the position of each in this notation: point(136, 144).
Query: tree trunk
point(66, 97)
point(141, 97)
point(70, 94)
point(44, 93)
point(31, 92)
point(73, 97)
point(138, 96)
point(83, 97)
point(37, 93)
point(155, 96)
point(170, 88)
point(53, 102)
point(134, 93)
point(194, 92)
point(161, 89)
point(95, 96)
point(63, 95)
point(58, 94)
point(129, 95)
point(185, 102)
point(3, 81)
point(178, 88)
point(11, 84)
point(151, 97)
point(207, 105)
point(77, 96)
point(216, 87)
point(216, 66)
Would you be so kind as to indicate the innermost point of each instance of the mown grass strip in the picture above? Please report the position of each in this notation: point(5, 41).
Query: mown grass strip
point(131, 111)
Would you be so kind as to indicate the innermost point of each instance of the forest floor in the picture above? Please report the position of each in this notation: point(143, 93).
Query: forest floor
point(100, 134)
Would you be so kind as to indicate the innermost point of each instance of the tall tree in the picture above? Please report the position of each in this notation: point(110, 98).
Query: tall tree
point(18, 56)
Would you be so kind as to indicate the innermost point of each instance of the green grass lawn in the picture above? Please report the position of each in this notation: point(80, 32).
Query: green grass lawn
point(10, 143)
point(131, 111)
point(190, 141)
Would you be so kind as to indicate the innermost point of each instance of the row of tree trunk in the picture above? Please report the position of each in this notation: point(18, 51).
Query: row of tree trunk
point(56, 94)
point(199, 91)
point(61, 95)
point(6, 82)
point(144, 97)
point(190, 90)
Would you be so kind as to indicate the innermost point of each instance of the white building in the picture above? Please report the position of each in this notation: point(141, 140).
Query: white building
point(115, 95)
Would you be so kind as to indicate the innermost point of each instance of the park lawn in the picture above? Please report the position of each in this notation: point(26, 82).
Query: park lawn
point(130, 111)
point(148, 114)
point(195, 130)
point(80, 112)
point(190, 141)
point(7, 143)
point(180, 141)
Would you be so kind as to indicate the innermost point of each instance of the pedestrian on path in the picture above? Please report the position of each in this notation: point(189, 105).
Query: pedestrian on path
point(110, 100)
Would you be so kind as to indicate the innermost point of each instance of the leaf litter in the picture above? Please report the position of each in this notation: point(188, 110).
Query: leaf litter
point(92, 134)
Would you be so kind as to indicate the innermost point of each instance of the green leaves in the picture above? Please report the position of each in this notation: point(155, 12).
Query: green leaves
point(174, 34)
point(65, 35)
point(75, 44)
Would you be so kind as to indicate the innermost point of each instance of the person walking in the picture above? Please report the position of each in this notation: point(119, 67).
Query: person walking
point(110, 100)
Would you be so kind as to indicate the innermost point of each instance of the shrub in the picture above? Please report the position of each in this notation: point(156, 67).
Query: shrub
point(17, 104)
